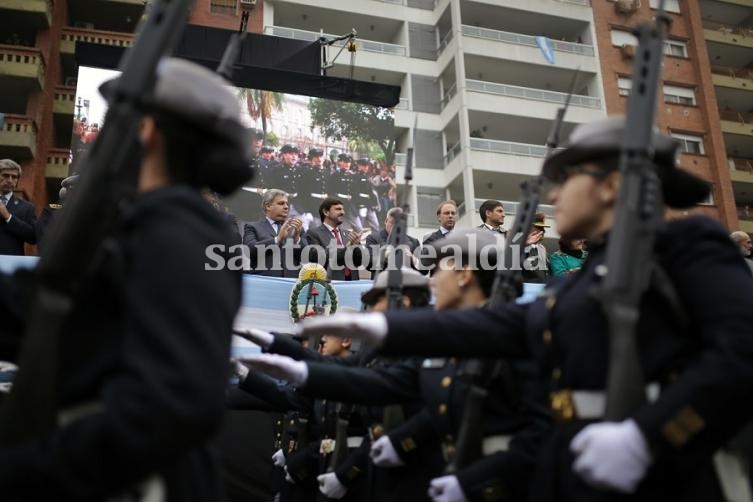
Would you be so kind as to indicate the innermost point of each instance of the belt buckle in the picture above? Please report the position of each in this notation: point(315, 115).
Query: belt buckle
point(376, 431)
point(562, 405)
point(448, 450)
point(327, 446)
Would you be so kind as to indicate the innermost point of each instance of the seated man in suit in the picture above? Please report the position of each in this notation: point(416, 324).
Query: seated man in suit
point(275, 242)
point(17, 215)
point(376, 242)
point(342, 251)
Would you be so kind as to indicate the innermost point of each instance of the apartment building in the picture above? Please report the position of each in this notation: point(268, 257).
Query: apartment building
point(476, 83)
point(727, 29)
point(38, 73)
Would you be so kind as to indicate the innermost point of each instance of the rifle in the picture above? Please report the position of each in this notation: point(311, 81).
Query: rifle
point(341, 436)
point(233, 49)
point(507, 286)
point(638, 214)
point(108, 181)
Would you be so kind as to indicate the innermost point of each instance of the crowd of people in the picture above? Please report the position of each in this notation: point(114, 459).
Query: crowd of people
point(375, 405)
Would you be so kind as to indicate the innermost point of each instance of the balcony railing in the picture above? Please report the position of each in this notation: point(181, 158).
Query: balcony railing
point(731, 71)
point(448, 95)
point(311, 36)
point(735, 116)
point(65, 99)
point(741, 164)
point(444, 42)
point(520, 39)
point(400, 159)
point(515, 91)
point(70, 36)
point(404, 2)
point(587, 3)
point(57, 163)
point(26, 62)
point(19, 134)
point(728, 29)
point(452, 152)
point(508, 147)
point(511, 207)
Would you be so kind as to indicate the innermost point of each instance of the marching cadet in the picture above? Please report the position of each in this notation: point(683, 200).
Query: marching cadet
point(693, 339)
point(408, 480)
point(513, 422)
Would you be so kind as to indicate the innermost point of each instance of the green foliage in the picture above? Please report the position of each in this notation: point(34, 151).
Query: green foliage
point(364, 126)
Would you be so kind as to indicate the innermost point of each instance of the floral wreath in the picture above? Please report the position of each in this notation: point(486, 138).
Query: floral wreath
point(311, 275)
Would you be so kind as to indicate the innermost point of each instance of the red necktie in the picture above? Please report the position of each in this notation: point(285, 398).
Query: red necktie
point(338, 239)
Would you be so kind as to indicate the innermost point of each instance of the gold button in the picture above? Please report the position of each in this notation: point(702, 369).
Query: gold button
point(551, 301)
point(556, 373)
point(442, 409)
point(446, 381)
point(547, 336)
point(292, 422)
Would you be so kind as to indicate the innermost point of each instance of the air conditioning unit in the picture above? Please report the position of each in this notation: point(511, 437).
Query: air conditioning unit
point(83, 25)
point(628, 51)
point(248, 3)
point(627, 6)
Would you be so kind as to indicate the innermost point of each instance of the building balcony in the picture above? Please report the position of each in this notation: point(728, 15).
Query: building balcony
point(57, 163)
point(530, 102)
point(70, 36)
point(64, 100)
point(507, 156)
point(109, 15)
point(21, 66)
point(520, 47)
point(741, 170)
point(734, 78)
point(18, 138)
point(312, 36)
point(26, 15)
point(734, 122)
point(728, 34)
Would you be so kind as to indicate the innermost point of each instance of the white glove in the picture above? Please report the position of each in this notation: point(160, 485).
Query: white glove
point(383, 453)
point(330, 486)
point(277, 366)
point(446, 489)
point(611, 455)
point(288, 477)
point(261, 338)
point(370, 327)
point(239, 370)
point(279, 458)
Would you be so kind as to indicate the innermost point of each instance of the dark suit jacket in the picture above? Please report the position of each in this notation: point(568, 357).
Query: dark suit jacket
point(274, 258)
point(434, 236)
point(19, 229)
point(380, 239)
point(321, 236)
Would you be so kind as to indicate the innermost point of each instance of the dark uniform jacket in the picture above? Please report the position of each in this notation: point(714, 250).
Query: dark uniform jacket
point(145, 349)
point(705, 365)
point(20, 228)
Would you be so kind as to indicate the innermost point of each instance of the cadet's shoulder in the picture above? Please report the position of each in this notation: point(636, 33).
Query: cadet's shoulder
point(694, 235)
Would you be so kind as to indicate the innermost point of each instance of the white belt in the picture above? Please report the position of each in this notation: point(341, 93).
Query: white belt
point(344, 196)
point(151, 490)
point(493, 444)
point(590, 404)
point(327, 446)
point(74, 413)
point(365, 195)
point(319, 195)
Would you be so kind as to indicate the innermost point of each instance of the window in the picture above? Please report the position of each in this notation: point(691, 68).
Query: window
point(709, 200)
point(679, 95)
point(675, 48)
point(690, 144)
point(669, 5)
point(624, 85)
point(620, 38)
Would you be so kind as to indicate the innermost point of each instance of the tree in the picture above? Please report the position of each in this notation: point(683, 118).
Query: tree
point(361, 124)
point(260, 104)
